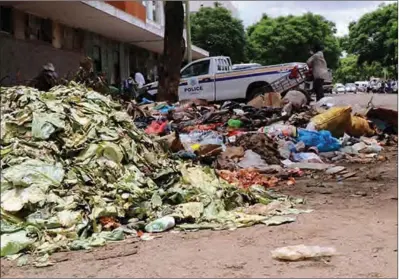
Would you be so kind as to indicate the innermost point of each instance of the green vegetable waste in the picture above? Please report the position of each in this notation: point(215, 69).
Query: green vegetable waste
point(70, 156)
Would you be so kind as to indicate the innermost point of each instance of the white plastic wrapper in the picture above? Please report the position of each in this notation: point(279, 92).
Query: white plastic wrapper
point(302, 252)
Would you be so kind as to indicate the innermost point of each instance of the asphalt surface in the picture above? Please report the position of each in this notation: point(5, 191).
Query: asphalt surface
point(361, 99)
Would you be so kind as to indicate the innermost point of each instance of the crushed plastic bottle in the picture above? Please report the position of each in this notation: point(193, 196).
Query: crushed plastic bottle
point(161, 224)
point(234, 123)
point(302, 252)
point(279, 130)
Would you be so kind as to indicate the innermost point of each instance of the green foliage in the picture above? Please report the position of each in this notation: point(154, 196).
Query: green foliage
point(290, 38)
point(217, 31)
point(375, 36)
point(350, 70)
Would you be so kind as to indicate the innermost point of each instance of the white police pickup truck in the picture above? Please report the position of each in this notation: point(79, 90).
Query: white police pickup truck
point(213, 79)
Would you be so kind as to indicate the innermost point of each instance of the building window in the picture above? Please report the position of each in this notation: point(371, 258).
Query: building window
point(73, 38)
point(97, 59)
point(39, 29)
point(6, 19)
point(78, 37)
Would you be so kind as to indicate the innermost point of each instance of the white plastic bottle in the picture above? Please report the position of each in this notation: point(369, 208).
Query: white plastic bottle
point(161, 224)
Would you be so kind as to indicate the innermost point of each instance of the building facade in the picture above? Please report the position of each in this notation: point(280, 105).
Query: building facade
point(195, 6)
point(120, 36)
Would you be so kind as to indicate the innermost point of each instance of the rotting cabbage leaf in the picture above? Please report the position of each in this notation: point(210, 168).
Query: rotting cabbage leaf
point(45, 124)
point(13, 243)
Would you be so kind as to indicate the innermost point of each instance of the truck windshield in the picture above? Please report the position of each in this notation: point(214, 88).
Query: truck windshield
point(196, 69)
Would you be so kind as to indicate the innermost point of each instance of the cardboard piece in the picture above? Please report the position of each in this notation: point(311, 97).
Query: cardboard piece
point(271, 99)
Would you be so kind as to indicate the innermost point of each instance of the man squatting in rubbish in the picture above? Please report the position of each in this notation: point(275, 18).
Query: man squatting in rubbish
point(319, 70)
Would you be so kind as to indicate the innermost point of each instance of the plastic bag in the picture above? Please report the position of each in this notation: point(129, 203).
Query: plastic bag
point(286, 148)
point(252, 160)
point(279, 130)
point(306, 157)
point(296, 98)
point(302, 252)
point(202, 137)
point(156, 128)
point(359, 127)
point(326, 102)
point(160, 225)
point(323, 140)
point(335, 120)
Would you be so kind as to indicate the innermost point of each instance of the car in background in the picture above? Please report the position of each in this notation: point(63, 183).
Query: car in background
point(395, 86)
point(362, 86)
point(339, 88)
point(328, 88)
point(350, 88)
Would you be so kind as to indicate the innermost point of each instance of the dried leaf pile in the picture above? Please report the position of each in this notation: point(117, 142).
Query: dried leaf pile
point(75, 170)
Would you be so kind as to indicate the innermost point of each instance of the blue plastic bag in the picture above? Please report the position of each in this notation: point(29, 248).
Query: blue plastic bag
point(323, 140)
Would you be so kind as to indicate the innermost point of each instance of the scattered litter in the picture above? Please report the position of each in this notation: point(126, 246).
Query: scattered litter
point(302, 252)
point(88, 170)
point(147, 237)
point(278, 220)
point(335, 170)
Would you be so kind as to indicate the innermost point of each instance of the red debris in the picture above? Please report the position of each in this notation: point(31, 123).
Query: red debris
point(245, 178)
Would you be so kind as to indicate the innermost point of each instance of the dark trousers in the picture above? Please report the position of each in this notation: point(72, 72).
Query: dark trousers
point(318, 88)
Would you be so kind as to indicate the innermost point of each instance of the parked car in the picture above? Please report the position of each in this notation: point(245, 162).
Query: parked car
point(350, 88)
point(395, 86)
point(339, 88)
point(213, 79)
point(362, 86)
point(328, 88)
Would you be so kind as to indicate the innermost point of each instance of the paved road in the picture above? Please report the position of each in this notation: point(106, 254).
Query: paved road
point(379, 100)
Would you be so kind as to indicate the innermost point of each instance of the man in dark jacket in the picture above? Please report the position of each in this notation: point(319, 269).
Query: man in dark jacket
point(46, 79)
point(319, 70)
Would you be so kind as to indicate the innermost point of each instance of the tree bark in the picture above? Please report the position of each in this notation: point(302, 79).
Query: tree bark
point(169, 70)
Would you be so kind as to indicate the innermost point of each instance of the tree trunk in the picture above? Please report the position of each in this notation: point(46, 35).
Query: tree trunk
point(169, 70)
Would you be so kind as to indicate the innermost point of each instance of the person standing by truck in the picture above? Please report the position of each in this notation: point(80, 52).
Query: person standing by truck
point(319, 70)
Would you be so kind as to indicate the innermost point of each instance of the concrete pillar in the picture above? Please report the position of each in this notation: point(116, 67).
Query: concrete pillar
point(123, 62)
point(159, 12)
point(149, 8)
point(57, 34)
point(19, 24)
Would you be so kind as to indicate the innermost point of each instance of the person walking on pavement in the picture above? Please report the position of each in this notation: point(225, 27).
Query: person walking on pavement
point(319, 70)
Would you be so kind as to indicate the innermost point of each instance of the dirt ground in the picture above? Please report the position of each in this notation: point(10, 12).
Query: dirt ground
point(357, 216)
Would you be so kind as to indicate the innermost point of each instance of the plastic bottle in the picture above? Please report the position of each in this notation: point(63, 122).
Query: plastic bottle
point(234, 123)
point(279, 130)
point(161, 224)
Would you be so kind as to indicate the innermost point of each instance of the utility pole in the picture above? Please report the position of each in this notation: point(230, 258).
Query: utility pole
point(188, 32)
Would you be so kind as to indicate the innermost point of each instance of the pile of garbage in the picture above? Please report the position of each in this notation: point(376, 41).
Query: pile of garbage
point(76, 173)
point(276, 138)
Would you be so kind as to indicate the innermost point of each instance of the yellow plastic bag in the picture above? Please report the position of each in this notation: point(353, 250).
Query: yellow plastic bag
point(336, 120)
point(359, 127)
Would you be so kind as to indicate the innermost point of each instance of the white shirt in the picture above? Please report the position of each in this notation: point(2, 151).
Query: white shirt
point(139, 78)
